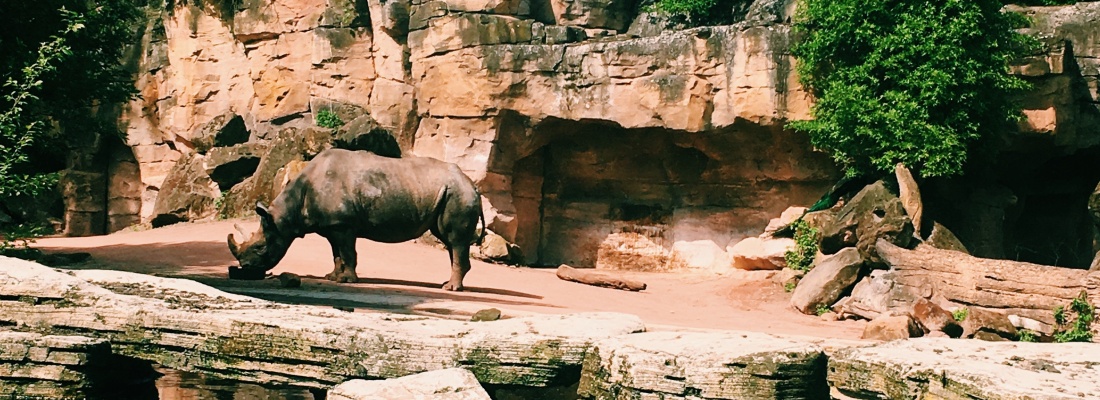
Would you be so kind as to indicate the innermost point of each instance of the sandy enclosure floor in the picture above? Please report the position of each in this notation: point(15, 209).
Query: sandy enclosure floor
point(406, 278)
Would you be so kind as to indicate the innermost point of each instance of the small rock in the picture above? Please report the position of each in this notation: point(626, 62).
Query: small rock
point(489, 314)
point(935, 319)
point(892, 327)
point(493, 248)
point(289, 280)
point(786, 218)
point(979, 320)
point(830, 316)
point(989, 337)
point(942, 238)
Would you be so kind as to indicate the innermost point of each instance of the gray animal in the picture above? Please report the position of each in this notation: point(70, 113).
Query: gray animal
point(343, 195)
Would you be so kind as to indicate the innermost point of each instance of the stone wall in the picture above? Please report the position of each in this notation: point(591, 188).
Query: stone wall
point(592, 146)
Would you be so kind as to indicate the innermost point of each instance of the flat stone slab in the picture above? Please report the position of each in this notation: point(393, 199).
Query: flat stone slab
point(444, 384)
point(940, 368)
point(704, 365)
point(188, 326)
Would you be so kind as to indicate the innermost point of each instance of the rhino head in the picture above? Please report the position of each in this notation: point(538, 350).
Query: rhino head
point(265, 248)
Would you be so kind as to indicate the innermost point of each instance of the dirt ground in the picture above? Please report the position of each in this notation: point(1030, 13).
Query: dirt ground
point(406, 278)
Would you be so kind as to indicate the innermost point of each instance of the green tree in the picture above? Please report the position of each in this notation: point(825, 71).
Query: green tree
point(913, 81)
point(62, 61)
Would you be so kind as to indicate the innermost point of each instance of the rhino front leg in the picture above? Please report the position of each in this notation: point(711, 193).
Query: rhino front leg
point(344, 258)
point(460, 265)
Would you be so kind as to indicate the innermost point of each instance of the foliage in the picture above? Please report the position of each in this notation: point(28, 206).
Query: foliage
point(805, 238)
point(1040, 2)
point(328, 119)
point(913, 81)
point(822, 309)
point(789, 287)
point(62, 62)
point(960, 314)
point(1079, 327)
point(1027, 335)
point(695, 12)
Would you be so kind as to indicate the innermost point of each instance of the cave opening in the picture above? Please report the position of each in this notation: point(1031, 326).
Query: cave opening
point(595, 194)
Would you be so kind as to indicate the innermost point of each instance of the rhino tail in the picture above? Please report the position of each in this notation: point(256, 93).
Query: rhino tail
point(484, 228)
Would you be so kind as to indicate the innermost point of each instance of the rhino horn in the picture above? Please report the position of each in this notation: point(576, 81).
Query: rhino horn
point(232, 245)
point(240, 229)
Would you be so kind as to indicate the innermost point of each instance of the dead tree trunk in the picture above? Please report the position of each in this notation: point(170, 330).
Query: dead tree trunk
point(571, 274)
point(1016, 288)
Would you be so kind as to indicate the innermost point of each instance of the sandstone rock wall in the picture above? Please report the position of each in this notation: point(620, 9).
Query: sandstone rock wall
point(649, 150)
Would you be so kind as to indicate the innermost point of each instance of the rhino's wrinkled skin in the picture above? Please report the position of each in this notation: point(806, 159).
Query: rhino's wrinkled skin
point(343, 195)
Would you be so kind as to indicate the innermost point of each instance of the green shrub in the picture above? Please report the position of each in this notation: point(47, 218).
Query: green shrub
point(822, 309)
point(1027, 335)
point(960, 314)
point(695, 12)
point(1076, 324)
point(912, 81)
point(789, 287)
point(328, 119)
point(805, 238)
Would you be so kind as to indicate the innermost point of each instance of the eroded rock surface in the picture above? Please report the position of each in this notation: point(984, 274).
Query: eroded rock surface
point(680, 365)
point(966, 369)
point(188, 326)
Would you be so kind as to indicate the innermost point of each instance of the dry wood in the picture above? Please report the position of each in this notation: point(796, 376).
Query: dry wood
point(593, 278)
point(1017, 288)
point(188, 326)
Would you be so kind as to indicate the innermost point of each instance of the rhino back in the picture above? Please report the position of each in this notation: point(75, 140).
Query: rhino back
point(382, 199)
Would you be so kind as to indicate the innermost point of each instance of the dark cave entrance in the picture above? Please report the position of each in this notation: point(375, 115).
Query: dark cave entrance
point(594, 194)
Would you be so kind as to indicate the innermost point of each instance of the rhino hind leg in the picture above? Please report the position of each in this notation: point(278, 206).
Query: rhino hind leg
point(460, 265)
point(344, 258)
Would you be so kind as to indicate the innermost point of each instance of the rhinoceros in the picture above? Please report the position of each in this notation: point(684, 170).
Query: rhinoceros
point(343, 195)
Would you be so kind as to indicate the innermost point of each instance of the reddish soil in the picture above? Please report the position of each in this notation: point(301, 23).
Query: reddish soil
point(406, 277)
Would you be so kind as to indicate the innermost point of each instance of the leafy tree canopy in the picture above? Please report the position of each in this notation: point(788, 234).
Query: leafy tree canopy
point(913, 81)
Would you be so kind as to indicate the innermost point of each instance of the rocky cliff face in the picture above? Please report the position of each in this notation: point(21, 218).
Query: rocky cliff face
point(592, 146)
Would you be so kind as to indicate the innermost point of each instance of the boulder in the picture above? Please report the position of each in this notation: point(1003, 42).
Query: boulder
point(289, 145)
point(188, 193)
point(909, 194)
point(892, 327)
point(942, 238)
point(875, 295)
point(934, 318)
point(364, 133)
point(228, 166)
point(756, 254)
point(872, 214)
point(965, 369)
point(988, 325)
point(494, 248)
point(35, 366)
point(720, 365)
point(443, 384)
point(223, 130)
point(786, 218)
point(829, 278)
point(767, 12)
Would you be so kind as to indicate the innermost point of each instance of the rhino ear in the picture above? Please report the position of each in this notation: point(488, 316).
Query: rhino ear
point(267, 222)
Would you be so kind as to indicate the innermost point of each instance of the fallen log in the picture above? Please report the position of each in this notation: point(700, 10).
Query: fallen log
point(188, 326)
point(1015, 288)
point(593, 278)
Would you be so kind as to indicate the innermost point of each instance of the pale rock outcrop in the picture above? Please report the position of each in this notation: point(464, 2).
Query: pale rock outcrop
point(756, 253)
point(721, 365)
point(188, 326)
point(965, 369)
point(443, 384)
